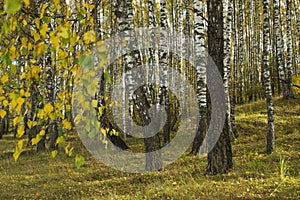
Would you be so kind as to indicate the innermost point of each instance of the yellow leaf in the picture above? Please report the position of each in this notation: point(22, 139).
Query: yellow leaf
point(67, 125)
point(22, 92)
point(40, 48)
point(41, 114)
point(89, 36)
point(37, 23)
point(95, 103)
point(64, 33)
point(20, 101)
point(5, 103)
point(27, 94)
point(35, 72)
point(24, 41)
point(54, 153)
point(23, 76)
point(31, 124)
point(19, 149)
point(21, 131)
point(42, 133)
point(103, 131)
point(17, 120)
point(24, 22)
point(2, 113)
point(44, 30)
point(13, 52)
point(54, 41)
point(67, 148)
point(36, 140)
point(56, 2)
point(36, 36)
point(48, 108)
point(60, 139)
point(27, 2)
point(4, 78)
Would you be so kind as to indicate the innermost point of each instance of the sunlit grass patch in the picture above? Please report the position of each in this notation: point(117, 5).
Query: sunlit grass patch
point(255, 175)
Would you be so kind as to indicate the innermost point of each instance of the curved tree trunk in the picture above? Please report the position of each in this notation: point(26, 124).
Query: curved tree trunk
point(200, 65)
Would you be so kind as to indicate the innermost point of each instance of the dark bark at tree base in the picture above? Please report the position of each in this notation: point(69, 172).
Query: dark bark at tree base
point(200, 134)
point(53, 132)
point(220, 158)
point(2, 128)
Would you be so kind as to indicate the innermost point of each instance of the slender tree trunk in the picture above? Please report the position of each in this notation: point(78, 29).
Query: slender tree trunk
point(267, 81)
point(163, 63)
point(200, 65)
point(152, 144)
point(279, 46)
point(289, 68)
point(241, 52)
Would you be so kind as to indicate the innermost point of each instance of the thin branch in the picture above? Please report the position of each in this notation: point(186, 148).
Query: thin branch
point(294, 85)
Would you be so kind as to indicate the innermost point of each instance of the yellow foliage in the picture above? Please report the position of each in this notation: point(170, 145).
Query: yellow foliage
point(20, 131)
point(27, 2)
point(18, 150)
point(54, 41)
point(4, 78)
point(95, 103)
point(40, 49)
point(64, 33)
point(27, 94)
point(48, 108)
point(5, 103)
point(2, 113)
point(17, 120)
point(54, 153)
point(44, 30)
point(35, 72)
point(60, 139)
point(31, 124)
point(13, 52)
point(37, 139)
point(67, 125)
point(89, 36)
point(36, 36)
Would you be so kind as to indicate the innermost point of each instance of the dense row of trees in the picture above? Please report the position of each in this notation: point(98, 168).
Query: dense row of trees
point(255, 45)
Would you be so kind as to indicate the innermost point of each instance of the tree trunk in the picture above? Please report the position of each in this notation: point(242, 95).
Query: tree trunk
point(220, 158)
point(200, 65)
point(289, 68)
point(267, 81)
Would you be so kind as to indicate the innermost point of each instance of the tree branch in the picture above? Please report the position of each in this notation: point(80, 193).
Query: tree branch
point(294, 85)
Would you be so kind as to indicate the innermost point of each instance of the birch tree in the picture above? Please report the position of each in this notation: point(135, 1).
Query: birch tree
point(267, 80)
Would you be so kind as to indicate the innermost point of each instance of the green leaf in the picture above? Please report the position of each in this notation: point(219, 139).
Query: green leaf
point(60, 139)
point(79, 161)
point(12, 6)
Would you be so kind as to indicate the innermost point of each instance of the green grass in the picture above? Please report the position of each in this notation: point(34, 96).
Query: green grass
point(255, 175)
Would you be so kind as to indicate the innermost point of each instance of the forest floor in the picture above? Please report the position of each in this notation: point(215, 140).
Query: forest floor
point(255, 175)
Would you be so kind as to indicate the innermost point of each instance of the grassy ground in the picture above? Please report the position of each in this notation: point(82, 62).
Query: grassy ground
point(255, 174)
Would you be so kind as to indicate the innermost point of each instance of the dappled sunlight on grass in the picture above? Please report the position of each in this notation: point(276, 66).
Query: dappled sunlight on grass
point(256, 175)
